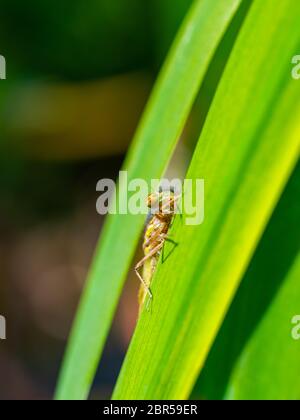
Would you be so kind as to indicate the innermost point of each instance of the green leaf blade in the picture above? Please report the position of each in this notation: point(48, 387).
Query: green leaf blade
point(260, 317)
point(246, 155)
point(160, 128)
point(268, 368)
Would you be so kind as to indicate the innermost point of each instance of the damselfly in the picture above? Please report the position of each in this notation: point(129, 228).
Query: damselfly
point(162, 205)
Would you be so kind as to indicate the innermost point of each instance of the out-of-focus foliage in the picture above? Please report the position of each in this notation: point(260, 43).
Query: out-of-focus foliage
point(78, 76)
point(75, 39)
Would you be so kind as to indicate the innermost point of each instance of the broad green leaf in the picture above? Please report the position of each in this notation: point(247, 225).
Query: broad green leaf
point(246, 152)
point(151, 150)
point(254, 355)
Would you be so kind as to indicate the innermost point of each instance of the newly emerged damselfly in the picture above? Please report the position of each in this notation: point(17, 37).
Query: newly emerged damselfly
point(162, 205)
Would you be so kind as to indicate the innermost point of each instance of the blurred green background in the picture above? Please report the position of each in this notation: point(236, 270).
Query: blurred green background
point(78, 76)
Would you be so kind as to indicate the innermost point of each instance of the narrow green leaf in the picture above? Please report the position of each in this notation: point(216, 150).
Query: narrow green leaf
point(268, 368)
point(151, 150)
point(246, 153)
point(260, 318)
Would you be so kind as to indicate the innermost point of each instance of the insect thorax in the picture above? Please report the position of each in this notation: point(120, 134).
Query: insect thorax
point(157, 226)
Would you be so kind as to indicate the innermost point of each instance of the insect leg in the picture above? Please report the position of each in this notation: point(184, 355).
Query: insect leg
point(143, 283)
point(142, 262)
point(172, 200)
point(166, 237)
point(149, 255)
